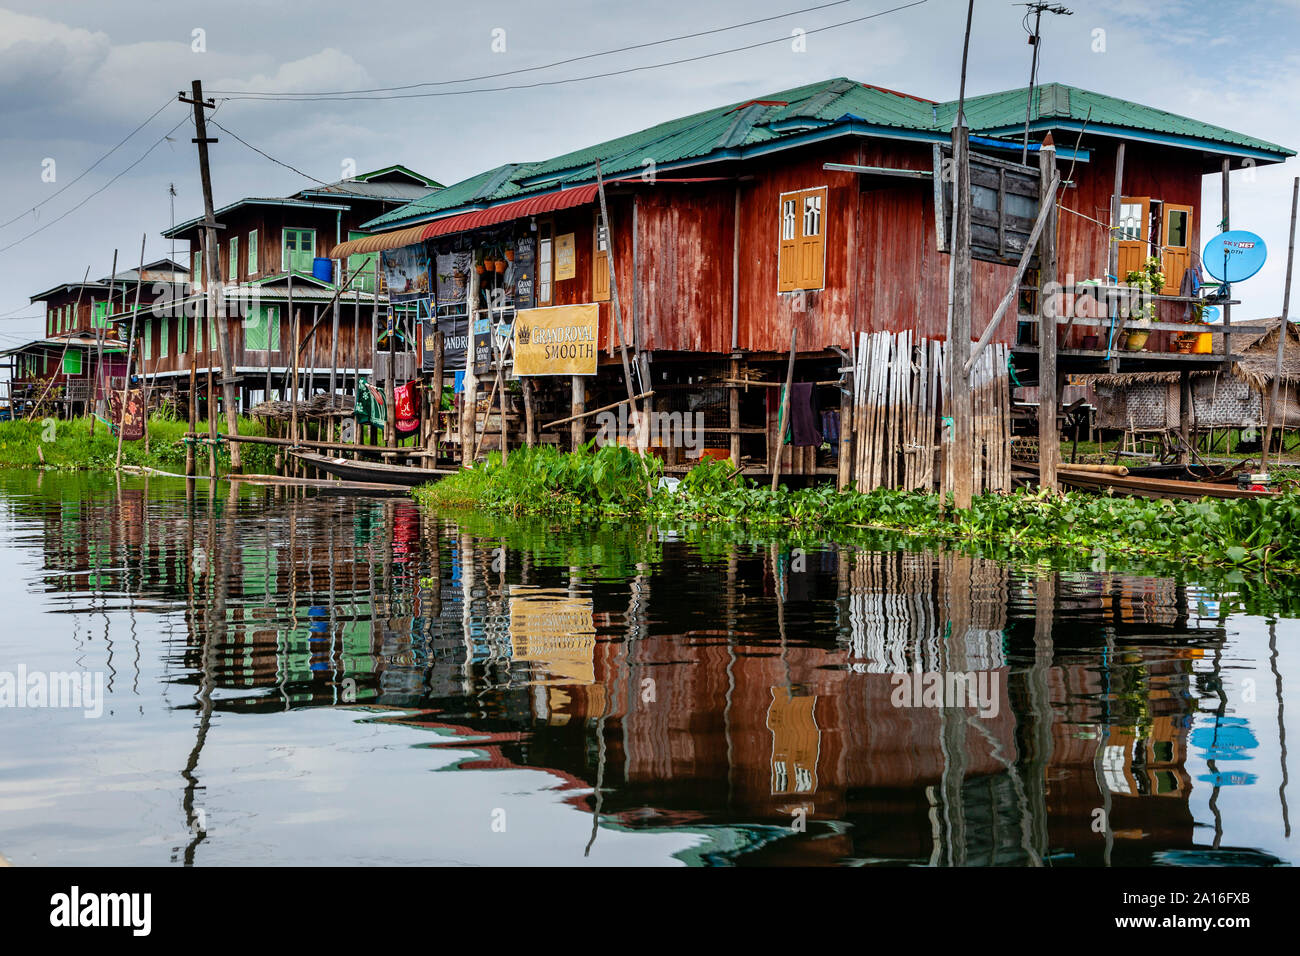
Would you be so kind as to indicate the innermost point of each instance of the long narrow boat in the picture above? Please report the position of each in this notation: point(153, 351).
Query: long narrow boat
point(374, 471)
point(1156, 487)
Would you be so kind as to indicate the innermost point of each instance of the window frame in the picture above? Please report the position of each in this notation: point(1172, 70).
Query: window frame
point(252, 252)
point(232, 260)
point(286, 261)
point(800, 198)
point(545, 240)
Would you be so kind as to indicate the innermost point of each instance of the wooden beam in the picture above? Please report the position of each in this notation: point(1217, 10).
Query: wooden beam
point(959, 344)
point(1049, 448)
point(1282, 331)
point(783, 417)
point(579, 414)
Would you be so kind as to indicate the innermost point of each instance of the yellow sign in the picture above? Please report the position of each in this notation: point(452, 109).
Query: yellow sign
point(557, 340)
point(566, 261)
point(555, 630)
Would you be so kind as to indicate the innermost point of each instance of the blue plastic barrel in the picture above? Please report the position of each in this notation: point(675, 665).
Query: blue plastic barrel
point(323, 269)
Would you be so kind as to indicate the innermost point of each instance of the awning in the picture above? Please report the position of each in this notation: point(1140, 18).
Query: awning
point(480, 218)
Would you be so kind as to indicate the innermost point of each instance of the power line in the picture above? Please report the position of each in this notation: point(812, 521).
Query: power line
point(267, 155)
point(88, 168)
point(162, 139)
point(544, 66)
point(267, 98)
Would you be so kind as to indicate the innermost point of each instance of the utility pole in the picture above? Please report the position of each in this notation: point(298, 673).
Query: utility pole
point(963, 425)
point(215, 295)
point(1037, 10)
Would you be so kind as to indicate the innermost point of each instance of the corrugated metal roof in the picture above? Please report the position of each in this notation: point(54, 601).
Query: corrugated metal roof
point(794, 112)
point(1006, 110)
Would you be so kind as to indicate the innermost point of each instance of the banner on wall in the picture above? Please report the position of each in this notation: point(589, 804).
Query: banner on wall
point(455, 340)
point(408, 272)
point(557, 340)
point(566, 262)
point(452, 271)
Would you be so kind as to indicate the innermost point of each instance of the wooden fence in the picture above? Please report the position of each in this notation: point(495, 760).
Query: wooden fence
point(901, 428)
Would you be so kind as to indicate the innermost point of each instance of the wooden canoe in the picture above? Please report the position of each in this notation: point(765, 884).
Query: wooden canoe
point(1156, 487)
point(371, 471)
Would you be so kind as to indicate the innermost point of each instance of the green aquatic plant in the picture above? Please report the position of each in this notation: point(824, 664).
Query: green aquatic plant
point(1254, 534)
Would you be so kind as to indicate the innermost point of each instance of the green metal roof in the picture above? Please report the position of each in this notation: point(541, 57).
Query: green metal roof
point(997, 112)
point(830, 107)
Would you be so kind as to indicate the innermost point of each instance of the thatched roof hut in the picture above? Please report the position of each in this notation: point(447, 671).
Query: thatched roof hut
point(1150, 401)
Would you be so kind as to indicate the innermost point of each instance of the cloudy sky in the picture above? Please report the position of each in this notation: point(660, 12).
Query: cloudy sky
point(77, 77)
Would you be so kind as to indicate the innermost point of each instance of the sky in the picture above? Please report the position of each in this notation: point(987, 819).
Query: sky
point(77, 76)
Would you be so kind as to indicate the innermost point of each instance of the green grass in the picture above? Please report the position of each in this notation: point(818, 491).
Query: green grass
point(1247, 533)
point(71, 446)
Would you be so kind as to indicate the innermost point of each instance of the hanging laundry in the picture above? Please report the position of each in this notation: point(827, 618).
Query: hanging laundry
point(831, 425)
point(406, 407)
point(805, 416)
point(1190, 286)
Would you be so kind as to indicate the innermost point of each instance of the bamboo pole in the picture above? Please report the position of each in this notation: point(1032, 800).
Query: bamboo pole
point(784, 414)
point(130, 353)
point(1282, 331)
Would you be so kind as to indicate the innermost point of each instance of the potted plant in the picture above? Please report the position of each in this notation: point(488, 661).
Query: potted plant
point(1148, 280)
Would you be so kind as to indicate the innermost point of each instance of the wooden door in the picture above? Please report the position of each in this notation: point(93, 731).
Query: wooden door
point(1134, 234)
point(1176, 253)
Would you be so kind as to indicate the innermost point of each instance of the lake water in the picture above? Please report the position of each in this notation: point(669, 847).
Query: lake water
point(291, 678)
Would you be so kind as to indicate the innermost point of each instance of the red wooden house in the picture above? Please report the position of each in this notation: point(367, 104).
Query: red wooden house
point(817, 209)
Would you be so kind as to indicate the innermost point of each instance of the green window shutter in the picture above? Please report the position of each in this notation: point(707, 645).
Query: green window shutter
point(232, 264)
point(262, 329)
point(366, 281)
point(299, 250)
point(255, 329)
point(162, 338)
point(72, 362)
point(252, 253)
point(196, 276)
point(98, 311)
point(182, 335)
point(148, 340)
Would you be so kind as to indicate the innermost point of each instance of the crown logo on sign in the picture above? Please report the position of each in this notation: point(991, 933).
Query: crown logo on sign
point(521, 335)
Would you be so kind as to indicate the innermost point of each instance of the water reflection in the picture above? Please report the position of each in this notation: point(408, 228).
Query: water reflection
point(740, 693)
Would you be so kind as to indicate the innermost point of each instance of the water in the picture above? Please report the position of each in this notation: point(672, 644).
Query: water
point(291, 678)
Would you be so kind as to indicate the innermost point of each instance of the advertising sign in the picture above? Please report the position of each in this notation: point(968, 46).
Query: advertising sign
point(558, 340)
point(566, 262)
point(408, 272)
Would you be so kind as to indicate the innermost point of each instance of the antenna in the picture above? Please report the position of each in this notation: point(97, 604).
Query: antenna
point(171, 193)
point(1036, 10)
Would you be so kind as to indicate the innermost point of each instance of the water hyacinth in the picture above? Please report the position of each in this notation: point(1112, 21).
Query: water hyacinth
point(1261, 533)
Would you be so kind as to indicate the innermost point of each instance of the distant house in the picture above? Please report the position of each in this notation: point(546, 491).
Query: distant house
point(80, 356)
point(276, 254)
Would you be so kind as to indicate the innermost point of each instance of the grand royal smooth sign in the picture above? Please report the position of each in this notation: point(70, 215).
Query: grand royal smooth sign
point(559, 340)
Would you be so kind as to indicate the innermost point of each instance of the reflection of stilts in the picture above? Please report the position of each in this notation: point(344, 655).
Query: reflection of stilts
point(1281, 724)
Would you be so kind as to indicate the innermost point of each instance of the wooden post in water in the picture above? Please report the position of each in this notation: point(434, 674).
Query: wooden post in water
point(434, 399)
point(783, 416)
point(1282, 328)
point(1227, 309)
point(469, 397)
point(1049, 445)
point(577, 405)
point(959, 343)
point(733, 410)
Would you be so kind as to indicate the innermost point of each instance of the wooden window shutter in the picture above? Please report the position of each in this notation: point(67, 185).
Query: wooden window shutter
point(600, 266)
point(787, 260)
point(812, 239)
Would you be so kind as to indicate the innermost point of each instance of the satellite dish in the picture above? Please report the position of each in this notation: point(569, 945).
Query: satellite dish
point(1234, 255)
